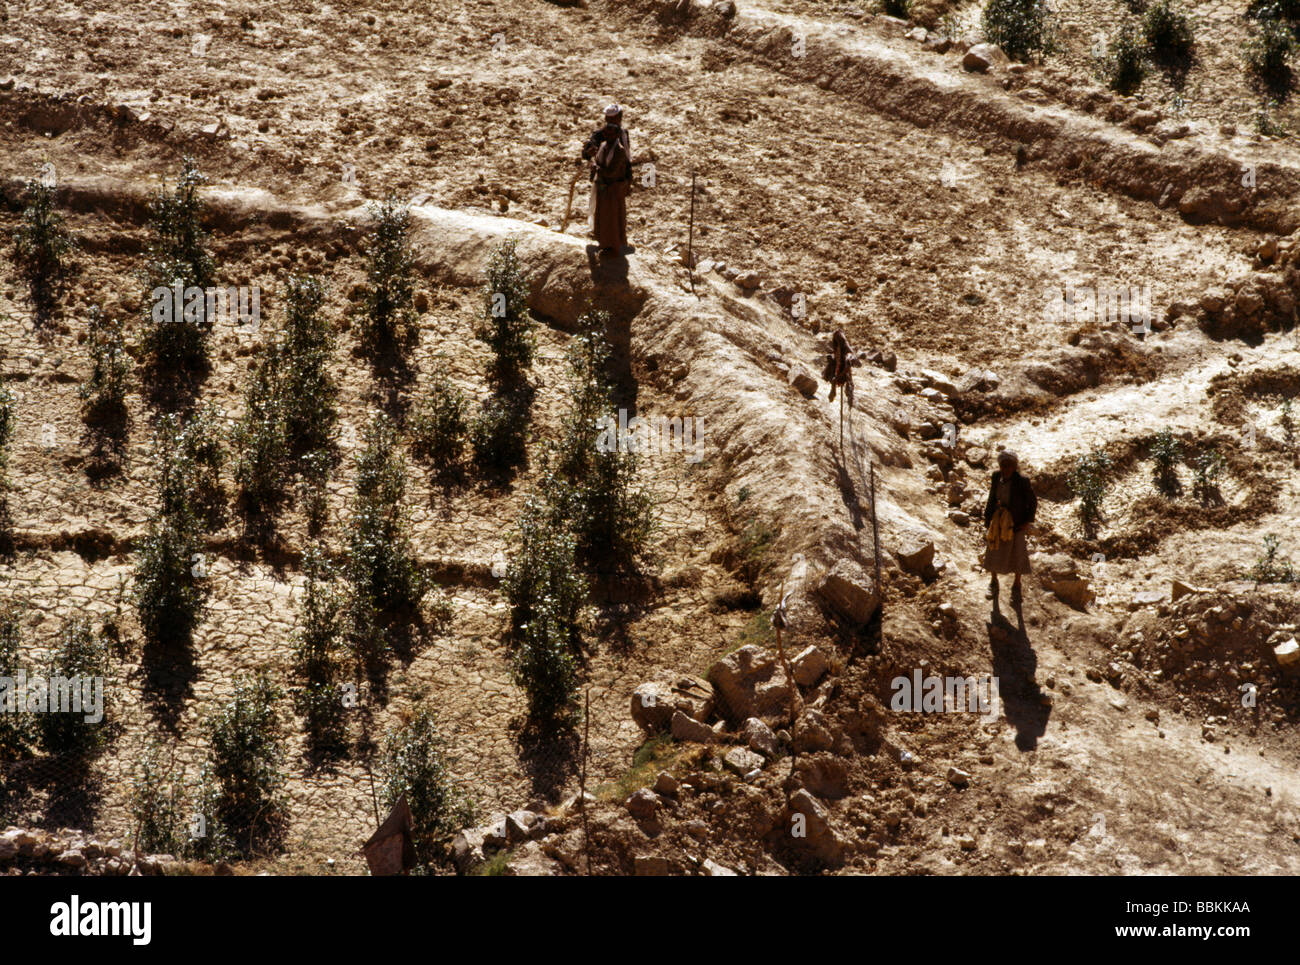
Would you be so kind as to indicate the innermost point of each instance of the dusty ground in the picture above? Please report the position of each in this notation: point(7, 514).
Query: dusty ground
point(928, 239)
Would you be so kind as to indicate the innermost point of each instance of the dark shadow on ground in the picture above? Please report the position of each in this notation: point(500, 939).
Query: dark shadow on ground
point(169, 673)
point(1015, 665)
point(550, 754)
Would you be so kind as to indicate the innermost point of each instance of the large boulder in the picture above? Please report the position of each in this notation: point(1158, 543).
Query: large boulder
point(467, 849)
point(643, 804)
point(847, 591)
point(742, 761)
point(532, 861)
point(981, 57)
point(808, 823)
point(809, 666)
point(1059, 574)
point(915, 553)
point(751, 683)
point(654, 702)
point(685, 728)
point(758, 736)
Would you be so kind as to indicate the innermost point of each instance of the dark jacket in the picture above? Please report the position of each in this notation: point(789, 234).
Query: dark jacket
point(1024, 504)
point(597, 139)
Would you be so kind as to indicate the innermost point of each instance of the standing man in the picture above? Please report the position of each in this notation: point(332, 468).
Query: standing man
point(1011, 507)
point(609, 153)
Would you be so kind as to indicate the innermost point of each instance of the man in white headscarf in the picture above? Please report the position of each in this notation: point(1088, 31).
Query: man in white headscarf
point(609, 153)
point(1008, 514)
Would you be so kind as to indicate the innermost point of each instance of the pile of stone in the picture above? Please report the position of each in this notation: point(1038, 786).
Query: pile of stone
point(67, 851)
point(523, 834)
point(1219, 640)
point(1260, 302)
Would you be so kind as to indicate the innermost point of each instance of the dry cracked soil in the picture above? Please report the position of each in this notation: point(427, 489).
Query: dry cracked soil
point(849, 174)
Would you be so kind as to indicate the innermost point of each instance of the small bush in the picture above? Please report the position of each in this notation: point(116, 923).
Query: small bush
point(244, 767)
point(506, 326)
point(1269, 569)
point(1021, 28)
point(1266, 123)
point(1206, 470)
point(260, 439)
point(313, 495)
point(1288, 10)
point(382, 572)
point(1089, 481)
point(438, 427)
point(103, 394)
point(1268, 56)
point(499, 432)
point(310, 394)
point(610, 517)
point(1124, 66)
point(169, 592)
point(157, 805)
point(177, 255)
point(1168, 32)
point(1167, 453)
point(42, 250)
point(1287, 421)
point(388, 314)
point(546, 595)
point(414, 764)
point(319, 699)
point(14, 737)
point(191, 456)
point(81, 656)
point(8, 421)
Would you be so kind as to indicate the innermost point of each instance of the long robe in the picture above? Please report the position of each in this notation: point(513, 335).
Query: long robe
point(1007, 555)
point(608, 206)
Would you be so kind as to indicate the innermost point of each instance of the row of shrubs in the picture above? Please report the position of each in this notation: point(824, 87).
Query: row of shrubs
point(585, 517)
point(1159, 34)
point(1090, 479)
point(236, 807)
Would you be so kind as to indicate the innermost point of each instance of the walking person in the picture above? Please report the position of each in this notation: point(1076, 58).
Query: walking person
point(609, 154)
point(1008, 514)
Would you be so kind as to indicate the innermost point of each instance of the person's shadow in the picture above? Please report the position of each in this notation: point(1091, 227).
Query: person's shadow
point(608, 269)
point(1015, 665)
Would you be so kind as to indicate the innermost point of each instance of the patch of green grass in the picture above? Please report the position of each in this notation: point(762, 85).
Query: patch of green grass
point(758, 631)
point(494, 866)
point(657, 754)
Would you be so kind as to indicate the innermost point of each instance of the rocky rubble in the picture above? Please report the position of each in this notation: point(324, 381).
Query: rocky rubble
point(1215, 644)
point(1259, 302)
point(68, 851)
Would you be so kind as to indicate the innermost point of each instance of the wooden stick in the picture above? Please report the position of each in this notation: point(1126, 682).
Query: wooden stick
point(796, 699)
point(875, 539)
point(582, 782)
point(374, 800)
point(690, 240)
point(568, 208)
point(842, 423)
